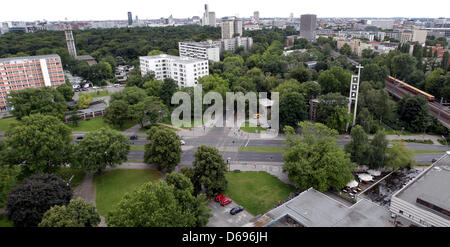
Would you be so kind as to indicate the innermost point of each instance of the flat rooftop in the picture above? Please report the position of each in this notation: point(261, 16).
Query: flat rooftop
point(314, 209)
point(432, 186)
point(178, 59)
point(9, 59)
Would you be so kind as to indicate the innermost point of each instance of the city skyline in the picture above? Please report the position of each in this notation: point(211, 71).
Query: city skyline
point(107, 10)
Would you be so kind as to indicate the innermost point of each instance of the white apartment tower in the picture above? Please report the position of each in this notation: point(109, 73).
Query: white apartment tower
point(207, 50)
point(184, 70)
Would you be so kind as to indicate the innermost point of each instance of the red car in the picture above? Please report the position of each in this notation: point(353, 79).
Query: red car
point(219, 197)
point(225, 201)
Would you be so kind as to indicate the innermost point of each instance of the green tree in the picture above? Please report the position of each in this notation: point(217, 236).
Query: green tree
point(402, 66)
point(335, 80)
point(8, 180)
point(209, 170)
point(168, 88)
point(66, 90)
point(84, 100)
point(116, 113)
point(154, 204)
point(346, 50)
point(151, 109)
point(101, 149)
point(38, 144)
point(77, 213)
point(153, 87)
point(328, 104)
point(317, 161)
point(398, 156)
point(131, 94)
point(184, 193)
point(339, 119)
point(358, 147)
point(45, 100)
point(28, 202)
point(378, 147)
point(164, 149)
point(292, 109)
point(413, 112)
point(154, 52)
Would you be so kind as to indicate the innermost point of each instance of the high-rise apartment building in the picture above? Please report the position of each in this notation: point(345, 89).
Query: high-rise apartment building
point(18, 73)
point(130, 19)
point(207, 50)
point(308, 27)
point(233, 43)
point(231, 27)
point(184, 70)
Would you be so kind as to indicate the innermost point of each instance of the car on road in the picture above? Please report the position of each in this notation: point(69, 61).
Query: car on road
point(133, 137)
point(433, 160)
point(79, 137)
point(236, 210)
point(225, 201)
point(182, 142)
point(220, 197)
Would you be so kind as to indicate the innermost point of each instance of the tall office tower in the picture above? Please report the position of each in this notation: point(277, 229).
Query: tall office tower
point(17, 73)
point(256, 16)
point(130, 19)
point(137, 19)
point(227, 28)
point(70, 40)
point(308, 27)
point(205, 20)
point(291, 17)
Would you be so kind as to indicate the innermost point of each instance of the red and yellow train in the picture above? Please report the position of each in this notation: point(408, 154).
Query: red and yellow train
point(410, 88)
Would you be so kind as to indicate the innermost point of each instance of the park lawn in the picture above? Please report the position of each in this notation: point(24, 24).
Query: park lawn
point(102, 93)
point(257, 192)
point(97, 123)
point(6, 123)
point(113, 185)
point(4, 222)
point(67, 172)
point(263, 149)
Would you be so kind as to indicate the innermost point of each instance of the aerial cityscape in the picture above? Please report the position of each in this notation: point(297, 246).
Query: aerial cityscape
point(252, 121)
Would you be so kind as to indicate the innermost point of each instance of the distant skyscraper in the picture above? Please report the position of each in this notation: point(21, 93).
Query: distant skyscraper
point(209, 18)
point(130, 19)
point(70, 40)
point(136, 19)
point(291, 17)
point(256, 16)
point(308, 27)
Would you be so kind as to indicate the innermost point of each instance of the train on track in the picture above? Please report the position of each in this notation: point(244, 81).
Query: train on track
point(410, 88)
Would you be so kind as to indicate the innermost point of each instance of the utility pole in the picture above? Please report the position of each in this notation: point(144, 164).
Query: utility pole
point(354, 90)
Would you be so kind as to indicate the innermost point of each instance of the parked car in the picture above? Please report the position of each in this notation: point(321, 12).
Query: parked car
point(182, 142)
point(219, 197)
point(79, 137)
point(225, 201)
point(133, 137)
point(95, 87)
point(116, 85)
point(236, 210)
point(433, 160)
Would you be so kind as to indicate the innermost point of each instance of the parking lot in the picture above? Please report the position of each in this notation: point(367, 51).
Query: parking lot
point(222, 217)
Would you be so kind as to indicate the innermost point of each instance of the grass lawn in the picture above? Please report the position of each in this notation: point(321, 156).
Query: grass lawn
point(258, 192)
point(94, 94)
point(252, 129)
point(67, 172)
point(97, 123)
point(5, 123)
point(4, 222)
point(263, 149)
point(113, 185)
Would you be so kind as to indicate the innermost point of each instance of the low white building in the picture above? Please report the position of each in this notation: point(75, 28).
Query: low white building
point(208, 50)
point(184, 70)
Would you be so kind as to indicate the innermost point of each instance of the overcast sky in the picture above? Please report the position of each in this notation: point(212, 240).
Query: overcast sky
point(54, 10)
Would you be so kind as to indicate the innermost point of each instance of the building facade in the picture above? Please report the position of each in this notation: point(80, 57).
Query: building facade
point(308, 27)
point(231, 27)
point(184, 70)
point(233, 43)
point(130, 19)
point(18, 73)
point(209, 50)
